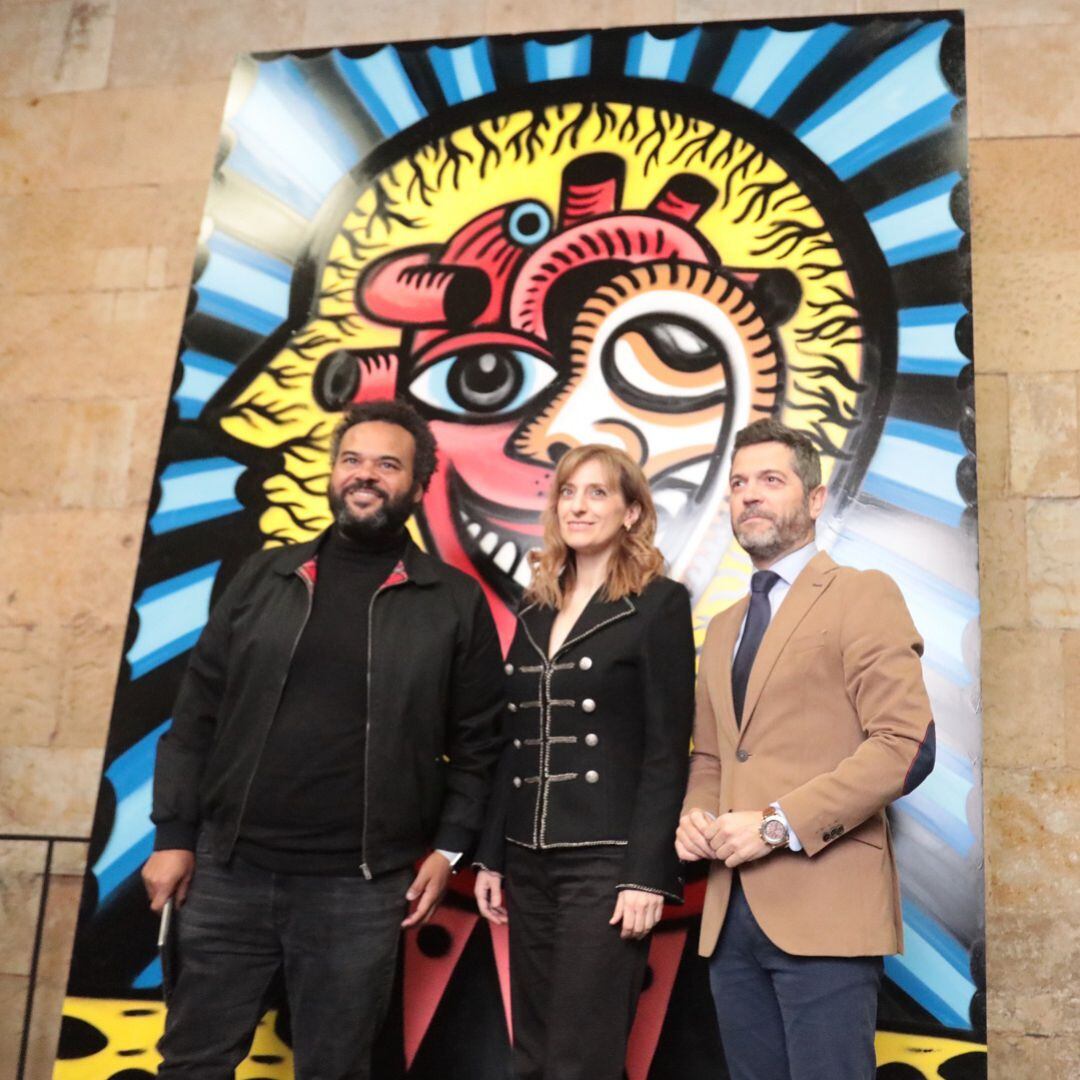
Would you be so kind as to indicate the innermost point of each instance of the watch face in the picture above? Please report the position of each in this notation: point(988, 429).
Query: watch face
point(773, 831)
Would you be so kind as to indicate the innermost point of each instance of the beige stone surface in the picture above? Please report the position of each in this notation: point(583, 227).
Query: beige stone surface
point(182, 41)
point(59, 565)
point(1027, 311)
point(1033, 866)
point(29, 691)
point(34, 135)
point(1020, 1056)
point(18, 43)
point(35, 226)
point(13, 990)
point(521, 16)
point(719, 10)
point(22, 865)
point(115, 345)
point(149, 419)
point(1003, 563)
point(74, 38)
point(327, 23)
point(992, 427)
point(1034, 959)
point(1030, 80)
point(75, 454)
point(48, 792)
point(1018, 13)
point(145, 135)
point(1023, 698)
point(69, 858)
point(1044, 451)
point(58, 933)
point(92, 653)
point(1053, 543)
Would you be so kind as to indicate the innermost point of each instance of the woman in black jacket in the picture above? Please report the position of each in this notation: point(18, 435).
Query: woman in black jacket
point(600, 679)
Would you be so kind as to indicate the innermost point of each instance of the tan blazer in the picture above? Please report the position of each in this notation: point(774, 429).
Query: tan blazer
point(836, 726)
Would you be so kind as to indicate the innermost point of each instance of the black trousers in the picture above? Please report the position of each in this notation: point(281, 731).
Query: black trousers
point(574, 983)
point(785, 1017)
point(336, 939)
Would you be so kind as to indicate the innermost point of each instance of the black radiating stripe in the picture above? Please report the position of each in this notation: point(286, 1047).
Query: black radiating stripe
point(927, 399)
point(940, 279)
point(917, 163)
point(709, 56)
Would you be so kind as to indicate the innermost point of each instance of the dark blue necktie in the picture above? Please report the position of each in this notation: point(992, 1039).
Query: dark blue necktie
point(757, 622)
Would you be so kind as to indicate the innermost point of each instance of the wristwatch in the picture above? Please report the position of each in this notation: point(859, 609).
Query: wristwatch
point(773, 829)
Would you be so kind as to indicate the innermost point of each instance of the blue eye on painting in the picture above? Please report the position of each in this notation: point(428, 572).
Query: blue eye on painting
point(483, 381)
point(529, 223)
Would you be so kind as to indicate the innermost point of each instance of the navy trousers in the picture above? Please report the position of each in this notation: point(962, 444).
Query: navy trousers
point(785, 1017)
point(336, 940)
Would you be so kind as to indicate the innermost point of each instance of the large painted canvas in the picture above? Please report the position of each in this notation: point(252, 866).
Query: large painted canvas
point(642, 236)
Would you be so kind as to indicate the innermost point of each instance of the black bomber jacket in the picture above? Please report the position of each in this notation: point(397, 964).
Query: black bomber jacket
point(435, 690)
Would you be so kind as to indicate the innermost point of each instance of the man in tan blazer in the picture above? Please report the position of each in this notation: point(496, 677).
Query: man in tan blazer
point(811, 718)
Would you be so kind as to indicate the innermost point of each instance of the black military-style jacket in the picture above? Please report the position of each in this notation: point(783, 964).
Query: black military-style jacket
point(597, 736)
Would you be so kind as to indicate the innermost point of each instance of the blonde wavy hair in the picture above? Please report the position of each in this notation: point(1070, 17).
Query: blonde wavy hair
point(635, 561)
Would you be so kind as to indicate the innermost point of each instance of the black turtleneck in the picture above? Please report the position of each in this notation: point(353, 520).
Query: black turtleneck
point(305, 810)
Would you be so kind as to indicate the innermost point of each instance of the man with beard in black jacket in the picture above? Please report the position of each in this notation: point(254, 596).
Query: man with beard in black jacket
point(336, 723)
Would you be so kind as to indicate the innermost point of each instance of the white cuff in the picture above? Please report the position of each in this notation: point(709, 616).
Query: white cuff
point(451, 857)
point(793, 840)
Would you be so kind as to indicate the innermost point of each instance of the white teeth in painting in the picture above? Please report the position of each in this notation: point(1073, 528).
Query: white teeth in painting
point(473, 530)
point(489, 543)
point(506, 557)
point(523, 574)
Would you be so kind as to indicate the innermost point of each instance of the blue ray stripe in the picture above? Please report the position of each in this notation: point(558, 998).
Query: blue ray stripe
point(777, 50)
point(287, 142)
point(203, 377)
point(570, 60)
point(650, 57)
point(927, 340)
point(231, 310)
point(913, 198)
point(877, 71)
point(743, 51)
point(171, 616)
point(956, 835)
point(131, 838)
point(941, 438)
point(262, 262)
point(931, 315)
point(244, 285)
point(464, 72)
point(907, 100)
point(918, 223)
point(925, 121)
point(269, 176)
point(816, 47)
point(914, 500)
point(150, 977)
point(195, 491)
point(934, 968)
point(380, 83)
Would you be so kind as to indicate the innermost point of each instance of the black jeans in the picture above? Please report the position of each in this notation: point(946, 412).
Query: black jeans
point(574, 983)
point(785, 1017)
point(336, 938)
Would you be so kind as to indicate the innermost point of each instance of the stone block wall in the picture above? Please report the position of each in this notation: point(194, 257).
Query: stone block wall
point(109, 113)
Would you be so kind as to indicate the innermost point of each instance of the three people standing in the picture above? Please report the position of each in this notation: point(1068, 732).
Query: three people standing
point(321, 746)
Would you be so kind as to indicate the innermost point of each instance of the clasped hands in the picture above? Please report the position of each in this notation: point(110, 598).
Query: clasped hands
point(734, 838)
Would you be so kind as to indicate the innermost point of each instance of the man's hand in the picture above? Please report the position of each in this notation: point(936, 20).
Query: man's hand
point(737, 839)
point(638, 912)
point(489, 897)
point(168, 873)
point(693, 838)
point(427, 888)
